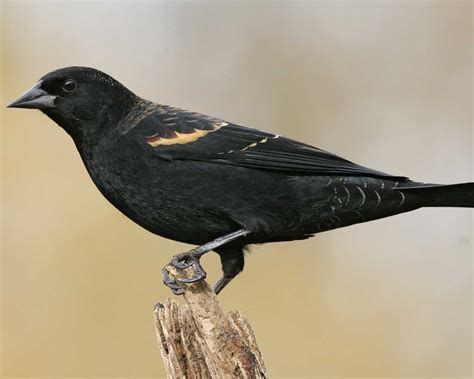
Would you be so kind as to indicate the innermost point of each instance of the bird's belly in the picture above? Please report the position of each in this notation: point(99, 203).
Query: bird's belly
point(195, 202)
point(163, 199)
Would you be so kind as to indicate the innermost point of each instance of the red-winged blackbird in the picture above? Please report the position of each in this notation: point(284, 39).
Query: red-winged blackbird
point(195, 178)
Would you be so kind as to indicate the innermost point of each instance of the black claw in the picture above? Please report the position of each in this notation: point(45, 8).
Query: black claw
point(200, 274)
point(180, 262)
point(193, 279)
point(185, 260)
point(171, 283)
point(177, 292)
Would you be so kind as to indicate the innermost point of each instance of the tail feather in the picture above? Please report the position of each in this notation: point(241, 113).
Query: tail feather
point(438, 195)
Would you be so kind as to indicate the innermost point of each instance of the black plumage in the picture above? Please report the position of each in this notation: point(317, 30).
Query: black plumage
point(205, 181)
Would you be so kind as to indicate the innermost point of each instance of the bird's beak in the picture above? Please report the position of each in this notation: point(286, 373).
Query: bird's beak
point(34, 98)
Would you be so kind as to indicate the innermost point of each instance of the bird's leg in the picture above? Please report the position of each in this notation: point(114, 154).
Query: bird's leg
point(191, 258)
point(220, 284)
point(232, 260)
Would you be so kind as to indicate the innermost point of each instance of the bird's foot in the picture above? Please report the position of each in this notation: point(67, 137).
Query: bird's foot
point(171, 282)
point(181, 262)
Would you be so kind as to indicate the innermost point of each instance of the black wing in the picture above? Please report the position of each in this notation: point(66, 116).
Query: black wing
point(175, 134)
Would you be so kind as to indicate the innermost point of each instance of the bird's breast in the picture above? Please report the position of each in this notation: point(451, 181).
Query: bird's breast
point(167, 198)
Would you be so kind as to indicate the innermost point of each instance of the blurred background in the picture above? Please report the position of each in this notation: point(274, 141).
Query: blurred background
point(386, 84)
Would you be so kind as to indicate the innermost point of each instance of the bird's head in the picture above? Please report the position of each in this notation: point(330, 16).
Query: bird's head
point(82, 100)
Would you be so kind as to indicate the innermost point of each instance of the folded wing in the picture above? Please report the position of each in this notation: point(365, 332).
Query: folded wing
point(175, 134)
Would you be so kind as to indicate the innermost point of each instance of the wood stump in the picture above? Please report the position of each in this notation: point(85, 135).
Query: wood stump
point(199, 340)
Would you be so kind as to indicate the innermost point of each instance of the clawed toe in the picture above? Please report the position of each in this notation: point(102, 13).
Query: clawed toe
point(191, 259)
point(180, 262)
point(200, 274)
point(171, 283)
point(185, 260)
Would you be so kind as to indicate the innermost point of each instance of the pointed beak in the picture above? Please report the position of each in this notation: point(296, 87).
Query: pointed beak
point(34, 98)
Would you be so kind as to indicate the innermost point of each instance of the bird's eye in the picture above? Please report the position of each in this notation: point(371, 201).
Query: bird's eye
point(69, 85)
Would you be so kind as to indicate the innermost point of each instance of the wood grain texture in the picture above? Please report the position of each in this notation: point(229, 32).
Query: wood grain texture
point(199, 340)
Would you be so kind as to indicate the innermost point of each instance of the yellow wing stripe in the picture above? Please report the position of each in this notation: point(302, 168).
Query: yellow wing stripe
point(181, 138)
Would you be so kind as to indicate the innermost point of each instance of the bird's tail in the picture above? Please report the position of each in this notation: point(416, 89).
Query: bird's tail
point(439, 195)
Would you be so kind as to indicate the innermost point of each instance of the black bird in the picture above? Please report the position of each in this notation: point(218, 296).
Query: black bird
point(205, 181)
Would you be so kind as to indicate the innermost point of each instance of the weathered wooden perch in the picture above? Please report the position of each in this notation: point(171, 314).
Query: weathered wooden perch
point(198, 340)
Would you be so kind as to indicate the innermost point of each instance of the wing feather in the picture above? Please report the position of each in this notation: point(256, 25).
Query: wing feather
point(182, 135)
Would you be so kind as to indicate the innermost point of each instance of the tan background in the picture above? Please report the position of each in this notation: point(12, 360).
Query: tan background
point(386, 84)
